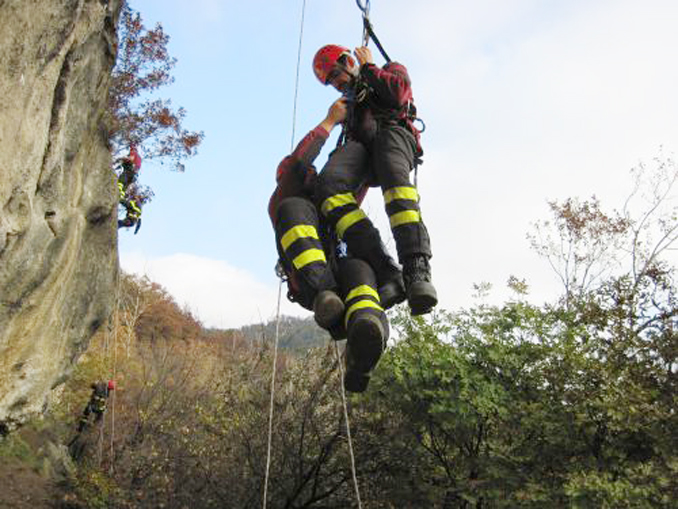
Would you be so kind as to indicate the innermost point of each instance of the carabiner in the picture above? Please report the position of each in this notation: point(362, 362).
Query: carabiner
point(423, 125)
point(365, 8)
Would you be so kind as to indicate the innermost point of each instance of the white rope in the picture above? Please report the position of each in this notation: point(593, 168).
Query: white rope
point(115, 367)
point(296, 84)
point(348, 426)
point(277, 320)
point(270, 411)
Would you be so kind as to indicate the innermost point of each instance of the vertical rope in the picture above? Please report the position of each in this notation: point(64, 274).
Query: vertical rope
point(296, 85)
point(116, 309)
point(270, 411)
point(348, 426)
point(277, 320)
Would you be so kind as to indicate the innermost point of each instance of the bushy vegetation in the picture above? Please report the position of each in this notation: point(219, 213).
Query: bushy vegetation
point(567, 404)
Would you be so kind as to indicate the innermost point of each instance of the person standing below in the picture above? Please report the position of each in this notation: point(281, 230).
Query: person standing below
point(381, 147)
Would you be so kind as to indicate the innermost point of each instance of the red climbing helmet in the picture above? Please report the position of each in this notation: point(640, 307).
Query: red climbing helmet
point(327, 57)
point(134, 157)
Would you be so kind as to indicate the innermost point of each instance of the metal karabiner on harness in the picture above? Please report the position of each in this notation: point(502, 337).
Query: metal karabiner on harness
point(368, 31)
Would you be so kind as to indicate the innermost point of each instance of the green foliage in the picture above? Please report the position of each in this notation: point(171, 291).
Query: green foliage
point(93, 489)
point(14, 447)
point(524, 406)
point(570, 404)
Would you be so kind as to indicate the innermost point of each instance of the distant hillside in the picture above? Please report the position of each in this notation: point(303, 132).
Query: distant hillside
point(296, 334)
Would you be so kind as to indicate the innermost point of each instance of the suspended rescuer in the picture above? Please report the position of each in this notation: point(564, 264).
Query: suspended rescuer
point(381, 148)
point(343, 291)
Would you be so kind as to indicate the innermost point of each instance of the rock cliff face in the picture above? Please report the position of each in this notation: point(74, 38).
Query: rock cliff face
point(58, 236)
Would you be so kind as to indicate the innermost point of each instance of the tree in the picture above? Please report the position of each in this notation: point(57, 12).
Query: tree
point(152, 125)
point(584, 244)
point(581, 242)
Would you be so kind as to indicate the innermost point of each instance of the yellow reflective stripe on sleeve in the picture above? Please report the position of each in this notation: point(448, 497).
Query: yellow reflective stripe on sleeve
point(309, 256)
point(361, 291)
point(338, 200)
point(400, 193)
point(298, 232)
point(349, 220)
point(404, 217)
point(361, 304)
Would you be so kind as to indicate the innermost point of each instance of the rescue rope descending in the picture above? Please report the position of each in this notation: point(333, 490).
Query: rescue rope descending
point(282, 279)
point(270, 411)
point(348, 426)
point(280, 283)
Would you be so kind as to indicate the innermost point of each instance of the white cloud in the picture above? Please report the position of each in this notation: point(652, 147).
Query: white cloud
point(219, 294)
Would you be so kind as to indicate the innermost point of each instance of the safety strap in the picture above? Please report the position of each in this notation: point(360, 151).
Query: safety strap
point(368, 31)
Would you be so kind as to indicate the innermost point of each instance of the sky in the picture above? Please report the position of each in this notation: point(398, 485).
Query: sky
point(525, 101)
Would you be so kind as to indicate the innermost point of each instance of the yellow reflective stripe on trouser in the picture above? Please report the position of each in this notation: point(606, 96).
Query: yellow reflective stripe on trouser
point(361, 304)
point(298, 232)
point(404, 217)
point(349, 220)
point(309, 256)
point(362, 291)
point(338, 200)
point(400, 193)
point(136, 211)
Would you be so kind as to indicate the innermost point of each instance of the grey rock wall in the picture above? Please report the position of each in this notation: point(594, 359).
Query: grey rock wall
point(58, 235)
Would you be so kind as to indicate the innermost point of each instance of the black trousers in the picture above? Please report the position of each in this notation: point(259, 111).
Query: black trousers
point(358, 287)
point(303, 251)
point(386, 162)
point(312, 264)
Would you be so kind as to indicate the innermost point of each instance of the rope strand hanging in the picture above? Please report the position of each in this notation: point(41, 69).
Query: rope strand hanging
point(368, 32)
point(280, 283)
point(348, 427)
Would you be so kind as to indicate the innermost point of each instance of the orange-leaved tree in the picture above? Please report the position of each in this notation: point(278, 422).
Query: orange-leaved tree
point(153, 125)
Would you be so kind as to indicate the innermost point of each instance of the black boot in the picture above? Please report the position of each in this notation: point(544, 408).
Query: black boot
point(328, 309)
point(421, 295)
point(391, 286)
point(366, 342)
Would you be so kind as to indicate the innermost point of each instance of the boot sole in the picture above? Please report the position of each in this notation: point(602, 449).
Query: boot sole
point(391, 294)
point(365, 340)
point(422, 298)
point(329, 313)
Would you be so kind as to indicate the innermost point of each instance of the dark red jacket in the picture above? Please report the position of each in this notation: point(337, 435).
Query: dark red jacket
point(382, 96)
point(295, 174)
